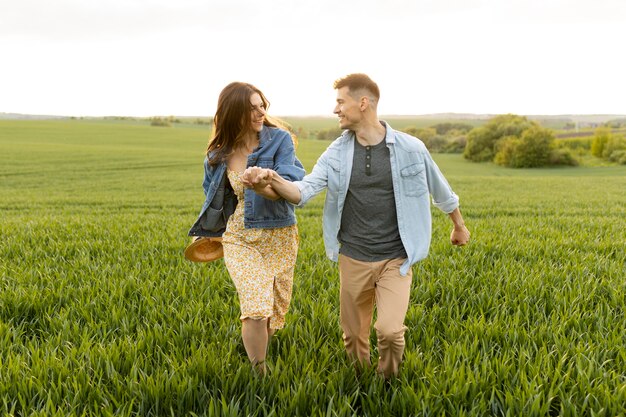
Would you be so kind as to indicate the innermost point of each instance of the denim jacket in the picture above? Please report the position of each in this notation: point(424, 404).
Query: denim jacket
point(414, 176)
point(276, 151)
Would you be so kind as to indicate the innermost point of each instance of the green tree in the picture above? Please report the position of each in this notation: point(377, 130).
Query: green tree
point(329, 134)
point(455, 145)
point(614, 144)
point(506, 150)
point(600, 139)
point(535, 147)
point(532, 149)
point(447, 127)
point(158, 121)
point(481, 141)
point(428, 135)
point(562, 156)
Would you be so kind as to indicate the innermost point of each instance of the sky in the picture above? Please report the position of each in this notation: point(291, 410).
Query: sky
point(156, 57)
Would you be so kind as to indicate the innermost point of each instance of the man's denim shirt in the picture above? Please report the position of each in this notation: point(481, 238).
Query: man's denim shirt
point(275, 151)
point(414, 176)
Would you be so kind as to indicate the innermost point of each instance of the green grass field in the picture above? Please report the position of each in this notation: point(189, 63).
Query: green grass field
point(100, 314)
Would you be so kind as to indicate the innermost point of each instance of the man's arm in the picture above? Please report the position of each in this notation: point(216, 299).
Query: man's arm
point(460, 235)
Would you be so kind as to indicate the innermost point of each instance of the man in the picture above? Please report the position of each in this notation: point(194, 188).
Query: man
point(376, 219)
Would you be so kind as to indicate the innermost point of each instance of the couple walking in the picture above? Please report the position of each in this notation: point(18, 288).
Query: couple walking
point(376, 220)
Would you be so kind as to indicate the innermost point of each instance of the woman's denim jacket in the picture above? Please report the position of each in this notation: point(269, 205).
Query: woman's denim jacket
point(276, 151)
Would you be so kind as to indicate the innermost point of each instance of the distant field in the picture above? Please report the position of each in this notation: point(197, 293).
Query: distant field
point(584, 133)
point(311, 124)
point(101, 315)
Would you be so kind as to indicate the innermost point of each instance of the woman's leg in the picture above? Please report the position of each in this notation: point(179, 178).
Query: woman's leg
point(254, 333)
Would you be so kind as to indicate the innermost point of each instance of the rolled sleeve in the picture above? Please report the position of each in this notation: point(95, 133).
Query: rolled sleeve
point(442, 195)
point(449, 205)
point(306, 192)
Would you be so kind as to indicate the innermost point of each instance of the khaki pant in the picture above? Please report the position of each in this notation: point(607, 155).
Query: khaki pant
point(364, 284)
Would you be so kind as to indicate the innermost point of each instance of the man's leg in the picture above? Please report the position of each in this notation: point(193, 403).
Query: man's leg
point(392, 302)
point(356, 306)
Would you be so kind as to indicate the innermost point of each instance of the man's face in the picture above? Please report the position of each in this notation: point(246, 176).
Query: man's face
point(347, 109)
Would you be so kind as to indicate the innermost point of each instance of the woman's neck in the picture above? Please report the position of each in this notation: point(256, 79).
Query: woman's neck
point(249, 142)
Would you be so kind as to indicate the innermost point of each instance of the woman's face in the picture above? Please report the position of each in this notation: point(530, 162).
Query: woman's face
point(258, 112)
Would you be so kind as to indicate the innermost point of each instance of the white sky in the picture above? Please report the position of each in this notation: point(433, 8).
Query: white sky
point(158, 57)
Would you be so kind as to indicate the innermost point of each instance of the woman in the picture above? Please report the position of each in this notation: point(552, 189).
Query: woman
point(259, 233)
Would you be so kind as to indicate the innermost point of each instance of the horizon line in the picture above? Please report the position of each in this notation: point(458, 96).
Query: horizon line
point(449, 114)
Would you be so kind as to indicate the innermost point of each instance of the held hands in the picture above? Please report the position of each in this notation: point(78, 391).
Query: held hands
point(460, 236)
point(257, 178)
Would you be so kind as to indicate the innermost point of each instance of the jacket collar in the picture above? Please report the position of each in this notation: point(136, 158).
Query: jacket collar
point(264, 136)
point(390, 136)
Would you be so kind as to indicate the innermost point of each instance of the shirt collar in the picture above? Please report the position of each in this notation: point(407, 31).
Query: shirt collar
point(389, 136)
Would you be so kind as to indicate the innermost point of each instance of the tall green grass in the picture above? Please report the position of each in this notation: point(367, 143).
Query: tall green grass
point(101, 315)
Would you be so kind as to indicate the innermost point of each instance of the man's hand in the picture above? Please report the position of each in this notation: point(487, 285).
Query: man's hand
point(460, 236)
point(257, 178)
point(270, 184)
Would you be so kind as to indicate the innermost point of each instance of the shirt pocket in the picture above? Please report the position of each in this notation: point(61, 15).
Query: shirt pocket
point(334, 167)
point(413, 179)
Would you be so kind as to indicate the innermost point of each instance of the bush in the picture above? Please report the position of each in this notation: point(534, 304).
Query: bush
point(530, 151)
point(481, 141)
point(506, 149)
point(436, 143)
point(600, 138)
point(447, 128)
point(455, 145)
point(203, 121)
point(157, 121)
point(613, 144)
point(583, 143)
point(562, 157)
point(618, 156)
point(329, 134)
point(428, 135)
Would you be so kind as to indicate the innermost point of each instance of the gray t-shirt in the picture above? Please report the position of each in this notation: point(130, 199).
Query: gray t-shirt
point(369, 223)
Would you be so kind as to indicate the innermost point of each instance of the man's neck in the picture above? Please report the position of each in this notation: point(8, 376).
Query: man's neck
point(370, 134)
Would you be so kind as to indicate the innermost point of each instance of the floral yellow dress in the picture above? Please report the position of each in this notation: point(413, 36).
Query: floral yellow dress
point(260, 262)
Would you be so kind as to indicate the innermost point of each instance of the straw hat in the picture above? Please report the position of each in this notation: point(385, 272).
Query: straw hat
point(204, 249)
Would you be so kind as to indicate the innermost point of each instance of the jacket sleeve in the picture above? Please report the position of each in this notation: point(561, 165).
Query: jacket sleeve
point(285, 162)
point(443, 197)
point(315, 182)
point(207, 176)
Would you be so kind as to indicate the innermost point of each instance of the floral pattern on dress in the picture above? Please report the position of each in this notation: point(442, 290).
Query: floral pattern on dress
point(260, 262)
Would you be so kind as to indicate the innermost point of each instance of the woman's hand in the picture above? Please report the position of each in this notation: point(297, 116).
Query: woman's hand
point(257, 178)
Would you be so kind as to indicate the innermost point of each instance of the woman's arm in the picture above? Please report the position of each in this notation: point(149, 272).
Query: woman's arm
point(261, 180)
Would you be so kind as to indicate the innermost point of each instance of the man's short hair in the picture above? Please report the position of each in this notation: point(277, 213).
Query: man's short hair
point(356, 82)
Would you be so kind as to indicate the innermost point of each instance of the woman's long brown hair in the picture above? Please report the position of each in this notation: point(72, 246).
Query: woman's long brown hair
point(233, 120)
